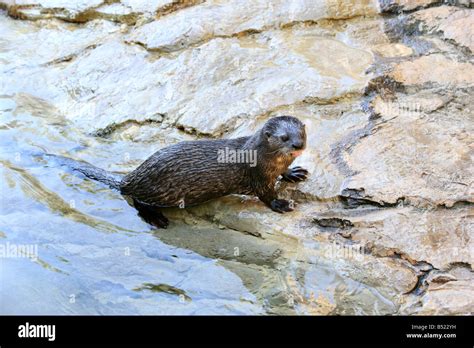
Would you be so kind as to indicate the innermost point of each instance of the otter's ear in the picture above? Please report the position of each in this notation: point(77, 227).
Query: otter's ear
point(268, 134)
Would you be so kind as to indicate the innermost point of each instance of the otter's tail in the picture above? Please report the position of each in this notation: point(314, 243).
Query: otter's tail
point(92, 172)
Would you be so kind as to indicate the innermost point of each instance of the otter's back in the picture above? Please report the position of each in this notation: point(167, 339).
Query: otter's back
point(186, 173)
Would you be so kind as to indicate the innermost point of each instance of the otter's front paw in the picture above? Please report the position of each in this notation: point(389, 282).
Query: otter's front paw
point(282, 205)
point(295, 174)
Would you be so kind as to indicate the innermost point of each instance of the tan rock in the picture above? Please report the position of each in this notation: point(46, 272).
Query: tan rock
point(405, 170)
point(434, 68)
point(361, 32)
point(393, 50)
point(453, 23)
point(349, 9)
point(460, 27)
point(440, 238)
point(452, 298)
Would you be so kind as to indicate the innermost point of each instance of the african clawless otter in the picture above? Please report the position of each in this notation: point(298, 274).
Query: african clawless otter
point(190, 172)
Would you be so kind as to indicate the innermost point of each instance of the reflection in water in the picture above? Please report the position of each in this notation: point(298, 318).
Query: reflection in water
point(33, 188)
point(164, 288)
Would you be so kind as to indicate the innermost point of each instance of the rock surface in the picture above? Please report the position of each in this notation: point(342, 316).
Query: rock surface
point(383, 224)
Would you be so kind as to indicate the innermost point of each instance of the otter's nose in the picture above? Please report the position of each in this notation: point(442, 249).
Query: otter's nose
point(297, 145)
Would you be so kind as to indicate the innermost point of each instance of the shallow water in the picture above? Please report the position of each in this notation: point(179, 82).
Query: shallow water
point(94, 255)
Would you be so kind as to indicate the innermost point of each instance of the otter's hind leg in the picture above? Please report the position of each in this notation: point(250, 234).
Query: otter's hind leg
point(151, 215)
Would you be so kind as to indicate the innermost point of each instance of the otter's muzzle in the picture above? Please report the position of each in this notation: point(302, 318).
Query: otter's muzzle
point(297, 148)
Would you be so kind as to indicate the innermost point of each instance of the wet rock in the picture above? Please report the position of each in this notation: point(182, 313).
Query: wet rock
point(223, 244)
point(37, 9)
point(268, 285)
point(217, 19)
point(355, 281)
point(333, 222)
point(439, 237)
point(60, 42)
point(440, 278)
point(126, 11)
point(164, 83)
point(452, 298)
point(404, 5)
point(150, 6)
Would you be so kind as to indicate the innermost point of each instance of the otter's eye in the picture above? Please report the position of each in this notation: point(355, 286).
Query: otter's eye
point(284, 137)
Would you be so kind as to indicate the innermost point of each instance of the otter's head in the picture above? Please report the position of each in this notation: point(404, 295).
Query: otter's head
point(285, 135)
